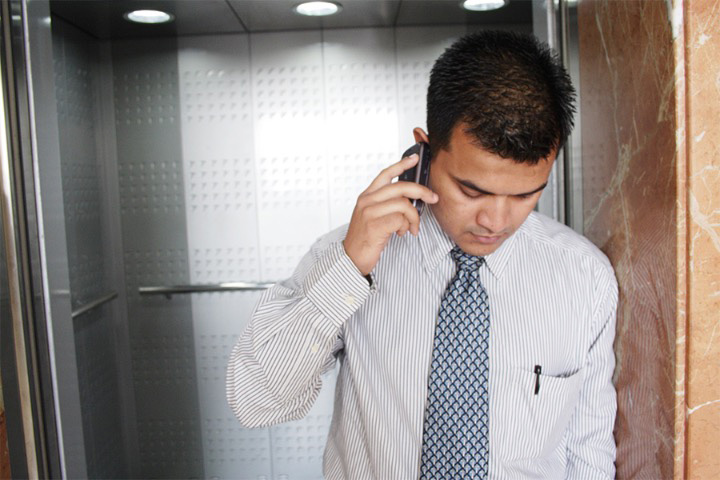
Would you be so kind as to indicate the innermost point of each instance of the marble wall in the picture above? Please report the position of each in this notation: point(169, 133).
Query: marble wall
point(701, 21)
point(650, 90)
point(629, 185)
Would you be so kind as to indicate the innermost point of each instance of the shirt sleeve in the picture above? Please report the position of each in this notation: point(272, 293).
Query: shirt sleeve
point(591, 445)
point(292, 338)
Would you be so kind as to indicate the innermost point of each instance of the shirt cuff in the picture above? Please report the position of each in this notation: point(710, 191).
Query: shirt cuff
point(335, 285)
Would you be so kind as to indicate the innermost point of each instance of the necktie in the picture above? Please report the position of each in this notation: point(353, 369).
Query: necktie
point(455, 436)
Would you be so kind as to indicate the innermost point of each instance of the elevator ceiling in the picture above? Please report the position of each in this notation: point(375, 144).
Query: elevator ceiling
point(104, 18)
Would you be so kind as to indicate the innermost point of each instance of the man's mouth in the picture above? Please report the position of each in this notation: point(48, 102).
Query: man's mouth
point(487, 239)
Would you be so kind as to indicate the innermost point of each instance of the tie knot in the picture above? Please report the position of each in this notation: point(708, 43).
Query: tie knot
point(467, 262)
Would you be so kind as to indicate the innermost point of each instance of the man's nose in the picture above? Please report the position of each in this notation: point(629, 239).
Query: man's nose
point(494, 214)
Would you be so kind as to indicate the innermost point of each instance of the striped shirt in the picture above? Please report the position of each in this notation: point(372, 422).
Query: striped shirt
point(553, 298)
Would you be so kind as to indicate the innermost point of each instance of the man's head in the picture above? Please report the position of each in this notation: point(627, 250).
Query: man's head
point(509, 90)
point(499, 105)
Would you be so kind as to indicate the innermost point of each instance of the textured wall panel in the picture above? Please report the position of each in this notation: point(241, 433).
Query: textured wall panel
point(362, 110)
point(84, 191)
point(153, 205)
point(217, 142)
point(280, 134)
point(231, 163)
point(289, 122)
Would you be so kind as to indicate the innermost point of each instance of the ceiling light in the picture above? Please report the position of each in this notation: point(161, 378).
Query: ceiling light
point(483, 5)
point(148, 16)
point(317, 9)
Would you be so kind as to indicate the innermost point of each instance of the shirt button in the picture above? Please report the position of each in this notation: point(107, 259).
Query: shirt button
point(349, 300)
point(314, 348)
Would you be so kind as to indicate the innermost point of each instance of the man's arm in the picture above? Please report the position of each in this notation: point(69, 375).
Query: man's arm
point(274, 370)
point(591, 445)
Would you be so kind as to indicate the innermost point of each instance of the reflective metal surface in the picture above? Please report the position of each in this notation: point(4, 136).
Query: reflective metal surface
point(94, 304)
point(217, 287)
point(13, 264)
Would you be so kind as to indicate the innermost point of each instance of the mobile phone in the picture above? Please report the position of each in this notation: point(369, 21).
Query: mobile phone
point(420, 172)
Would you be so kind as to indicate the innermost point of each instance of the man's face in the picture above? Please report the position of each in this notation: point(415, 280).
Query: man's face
point(484, 198)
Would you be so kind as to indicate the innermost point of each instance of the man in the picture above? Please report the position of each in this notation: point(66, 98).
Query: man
point(480, 345)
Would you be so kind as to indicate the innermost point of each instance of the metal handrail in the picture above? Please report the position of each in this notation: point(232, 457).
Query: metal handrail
point(204, 288)
point(94, 304)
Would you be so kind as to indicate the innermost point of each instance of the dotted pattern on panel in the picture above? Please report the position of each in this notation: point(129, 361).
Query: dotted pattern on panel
point(145, 98)
point(168, 446)
point(81, 179)
point(288, 92)
point(222, 184)
point(87, 279)
point(82, 201)
point(414, 78)
point(154, 268)
point(350, 174)
point(215, 95)
point(292, 182)
point(361, 89)
point(213, 356)
point(280, 260)
point(234, 449)
point(155, 188)
point(211, 265)
point(164, 360)
point(81, 186)
point(301, 444)
point(73, 102)
point(97, 379)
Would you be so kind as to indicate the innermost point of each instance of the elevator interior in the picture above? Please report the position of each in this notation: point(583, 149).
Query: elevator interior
point(179, 170)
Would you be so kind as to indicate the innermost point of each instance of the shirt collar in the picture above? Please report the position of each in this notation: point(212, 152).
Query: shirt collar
point(436, 245)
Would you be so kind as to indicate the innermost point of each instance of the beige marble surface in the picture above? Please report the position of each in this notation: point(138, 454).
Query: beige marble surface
point(702, 66)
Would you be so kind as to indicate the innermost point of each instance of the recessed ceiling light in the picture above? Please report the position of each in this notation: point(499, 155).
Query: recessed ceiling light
point(148, 16)
point(483, 5)
point(317, 9)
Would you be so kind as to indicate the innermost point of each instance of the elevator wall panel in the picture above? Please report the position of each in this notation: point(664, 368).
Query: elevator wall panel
point(222, 234)
point(280, 132)
point(235, 153)
point(288, 118)
point(76, 57)
point(361, 128)
point(153, 204)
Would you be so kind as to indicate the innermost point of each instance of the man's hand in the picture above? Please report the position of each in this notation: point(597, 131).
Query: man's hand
point(382, 209)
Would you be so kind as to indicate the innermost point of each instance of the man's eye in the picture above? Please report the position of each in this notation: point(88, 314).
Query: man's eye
point(471, 193)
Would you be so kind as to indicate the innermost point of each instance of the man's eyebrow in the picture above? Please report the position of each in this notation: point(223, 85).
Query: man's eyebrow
point(472, 186)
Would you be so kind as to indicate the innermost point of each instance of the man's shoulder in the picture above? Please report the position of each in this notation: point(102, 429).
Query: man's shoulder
point(541, 229)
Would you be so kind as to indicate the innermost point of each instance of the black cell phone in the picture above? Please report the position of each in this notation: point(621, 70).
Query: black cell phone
point(420, 172)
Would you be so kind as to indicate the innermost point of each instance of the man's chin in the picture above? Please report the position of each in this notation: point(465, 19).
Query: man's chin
point(480, 245)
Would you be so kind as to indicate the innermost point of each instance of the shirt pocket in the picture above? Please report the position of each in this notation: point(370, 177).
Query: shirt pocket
point(528, 425)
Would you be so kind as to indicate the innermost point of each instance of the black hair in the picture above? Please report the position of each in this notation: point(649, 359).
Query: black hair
point(509, 89)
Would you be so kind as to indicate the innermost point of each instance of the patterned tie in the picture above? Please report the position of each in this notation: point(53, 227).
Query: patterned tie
point(455, 437)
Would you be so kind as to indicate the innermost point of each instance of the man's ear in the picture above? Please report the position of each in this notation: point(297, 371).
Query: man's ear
point(420, 135)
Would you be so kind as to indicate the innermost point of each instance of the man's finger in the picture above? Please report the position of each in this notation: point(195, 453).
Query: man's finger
point(391, 207)
point(409, 190)
point(394, 170)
